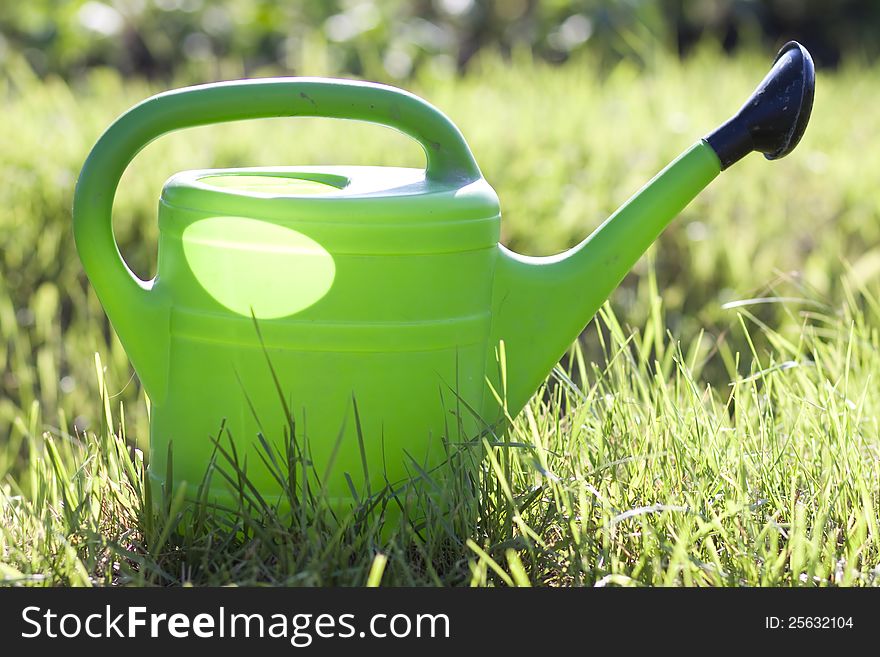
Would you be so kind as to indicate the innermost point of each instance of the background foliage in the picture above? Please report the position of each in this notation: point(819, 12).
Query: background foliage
point(395, 38)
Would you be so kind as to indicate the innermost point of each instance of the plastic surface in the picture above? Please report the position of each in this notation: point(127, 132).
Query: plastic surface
point(540, 305)
point(774, 118)
point(381, 286)
point(369, 284)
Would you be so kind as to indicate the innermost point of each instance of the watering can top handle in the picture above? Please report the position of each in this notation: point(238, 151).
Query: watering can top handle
point(447, 153)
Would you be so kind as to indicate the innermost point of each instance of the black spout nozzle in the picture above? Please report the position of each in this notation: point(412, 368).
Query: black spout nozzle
point(774, 118)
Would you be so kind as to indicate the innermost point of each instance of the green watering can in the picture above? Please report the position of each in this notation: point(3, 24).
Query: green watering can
point(376, 291)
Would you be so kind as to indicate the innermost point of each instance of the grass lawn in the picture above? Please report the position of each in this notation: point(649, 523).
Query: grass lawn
point(717, 424)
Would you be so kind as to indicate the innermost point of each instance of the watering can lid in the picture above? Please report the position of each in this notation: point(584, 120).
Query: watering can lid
point(328, 193)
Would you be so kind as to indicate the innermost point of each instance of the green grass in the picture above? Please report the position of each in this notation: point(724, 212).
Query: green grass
point(691, 436)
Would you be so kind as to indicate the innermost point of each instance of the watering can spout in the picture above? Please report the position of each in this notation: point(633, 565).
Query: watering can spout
point(540, 305)
point(773, 119)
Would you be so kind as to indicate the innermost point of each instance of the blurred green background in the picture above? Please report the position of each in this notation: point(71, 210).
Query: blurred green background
point(396, 39)
point(569, 107)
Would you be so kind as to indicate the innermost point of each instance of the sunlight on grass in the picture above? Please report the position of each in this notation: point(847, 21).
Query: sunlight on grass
point(642, 473)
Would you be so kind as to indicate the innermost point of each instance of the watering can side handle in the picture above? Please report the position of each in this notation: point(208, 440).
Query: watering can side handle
point(139, 317)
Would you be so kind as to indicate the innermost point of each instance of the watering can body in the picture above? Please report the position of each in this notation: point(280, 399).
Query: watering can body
point(355, 299)
point(367, 316)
